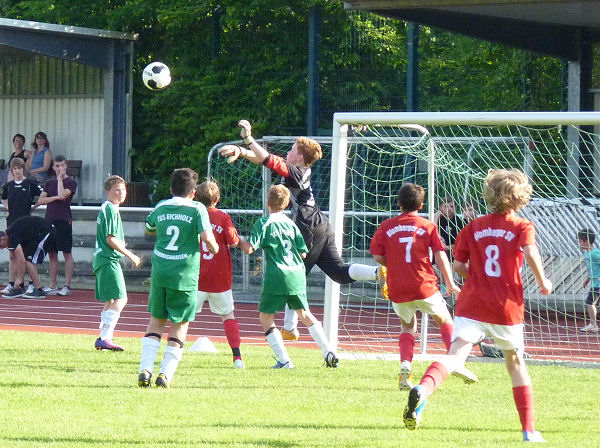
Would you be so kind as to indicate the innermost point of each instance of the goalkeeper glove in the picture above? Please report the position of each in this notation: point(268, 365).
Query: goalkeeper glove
point(246, 131)
point(232, 152)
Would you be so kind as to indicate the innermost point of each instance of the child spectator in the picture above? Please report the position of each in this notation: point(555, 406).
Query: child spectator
point(18, 196)
point(489, 253)
point(110, 247)
point(179, 224)
point(402, 244)
point(214, 283)
point(284, 281)
point(29, 238)
point(591, 255)
point(57, 195)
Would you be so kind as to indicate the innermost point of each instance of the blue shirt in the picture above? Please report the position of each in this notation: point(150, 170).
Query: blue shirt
point(592, 261)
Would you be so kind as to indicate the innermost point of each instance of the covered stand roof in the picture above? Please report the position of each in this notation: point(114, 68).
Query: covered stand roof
point(553, 27)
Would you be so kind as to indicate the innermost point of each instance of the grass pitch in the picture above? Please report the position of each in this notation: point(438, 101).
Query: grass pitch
point(57, 391)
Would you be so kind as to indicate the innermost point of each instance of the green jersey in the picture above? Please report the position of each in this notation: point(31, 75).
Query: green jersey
point(282, 243)
point(178, 223)
point(107, 223)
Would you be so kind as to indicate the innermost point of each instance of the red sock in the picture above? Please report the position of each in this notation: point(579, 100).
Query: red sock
point(434, 376)
point(446, 330)
point(232, 331)
point(406, 342)
point(524, 400)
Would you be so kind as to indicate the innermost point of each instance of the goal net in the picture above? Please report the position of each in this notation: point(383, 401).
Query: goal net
point(373, 154)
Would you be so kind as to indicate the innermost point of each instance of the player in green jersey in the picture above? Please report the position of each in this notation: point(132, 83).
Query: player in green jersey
point(180, 225)
point(284, 281)
point(110, 247)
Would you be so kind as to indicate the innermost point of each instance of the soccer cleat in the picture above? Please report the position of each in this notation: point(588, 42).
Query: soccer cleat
point(50, 291)
point(589, 328)
point(281, 365)
point(381, 277)
point(144, 379)
point(533, 436)
point(13, 293)
point(238, 364)
point(6, 289)
point(107, 344)
point(405, 375)
point(331, 360)
point(161, 381)
point(290, 335)
point(64, 291)
point(466, 375)
point(414, 408)
point(35, 294)
point(30, 288)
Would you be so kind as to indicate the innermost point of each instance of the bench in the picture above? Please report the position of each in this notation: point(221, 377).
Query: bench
point(74, 170)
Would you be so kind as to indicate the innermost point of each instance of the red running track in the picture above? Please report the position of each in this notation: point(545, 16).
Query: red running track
point(359, 331)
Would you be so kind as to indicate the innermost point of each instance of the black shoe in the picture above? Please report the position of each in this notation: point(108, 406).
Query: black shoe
point(13, 293)
point(144, 379)
point(161, 381)
point(37, 293)
point(331, 360)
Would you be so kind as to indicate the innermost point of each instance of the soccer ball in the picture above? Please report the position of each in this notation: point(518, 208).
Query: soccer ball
point(156, 76)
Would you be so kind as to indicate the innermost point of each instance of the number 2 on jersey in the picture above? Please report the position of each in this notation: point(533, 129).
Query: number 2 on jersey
point(173, 232)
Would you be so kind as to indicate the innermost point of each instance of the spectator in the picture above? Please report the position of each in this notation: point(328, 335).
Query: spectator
point(29, 238)
point(58, 193)
point(449, 224)
point(41, 160)
point(18, 196)
point(469, 212)
point(19, 152)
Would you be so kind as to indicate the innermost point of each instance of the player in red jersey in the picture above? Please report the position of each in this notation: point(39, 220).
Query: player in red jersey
point(214, 283)
point(489, 253)
point(402, 244)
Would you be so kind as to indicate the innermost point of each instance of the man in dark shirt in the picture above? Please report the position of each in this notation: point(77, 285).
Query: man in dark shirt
point(58, 193)
point(449, 224)
point(29, 238)
point(295, 172)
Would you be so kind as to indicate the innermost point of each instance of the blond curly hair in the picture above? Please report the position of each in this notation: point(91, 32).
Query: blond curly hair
point(506, 190)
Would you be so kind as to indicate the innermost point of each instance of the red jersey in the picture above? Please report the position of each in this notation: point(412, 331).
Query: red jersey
point(216, 269)
point(493, 290)
point(405, 241)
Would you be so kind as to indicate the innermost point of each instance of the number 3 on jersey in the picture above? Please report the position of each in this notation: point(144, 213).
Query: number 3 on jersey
point(492, 267)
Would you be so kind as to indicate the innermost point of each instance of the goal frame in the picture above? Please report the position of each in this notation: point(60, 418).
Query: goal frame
point(416, 120)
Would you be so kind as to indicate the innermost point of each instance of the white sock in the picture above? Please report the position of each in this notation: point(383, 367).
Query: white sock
point(108, 322)
point(170, 361)
point(150, 348)
point(362, 272)
point(317, 333)
point(290, 321)
point(276, 342)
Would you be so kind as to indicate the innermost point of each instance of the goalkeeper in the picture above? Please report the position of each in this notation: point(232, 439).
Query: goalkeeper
point(295, 171)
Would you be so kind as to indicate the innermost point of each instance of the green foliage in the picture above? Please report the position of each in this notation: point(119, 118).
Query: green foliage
point(248, 59)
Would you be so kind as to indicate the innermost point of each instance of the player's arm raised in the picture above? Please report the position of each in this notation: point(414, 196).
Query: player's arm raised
point(256, 154)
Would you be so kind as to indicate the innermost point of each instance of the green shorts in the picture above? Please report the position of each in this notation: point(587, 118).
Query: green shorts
point(271, 303)
point(177, 306)
point(110, 283)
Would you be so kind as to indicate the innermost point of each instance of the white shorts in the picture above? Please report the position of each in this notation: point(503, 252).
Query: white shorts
point(435, 305)
point(221, 303)
point(506, 337)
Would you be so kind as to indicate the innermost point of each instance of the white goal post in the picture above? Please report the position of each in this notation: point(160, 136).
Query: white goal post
point(552, 156)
